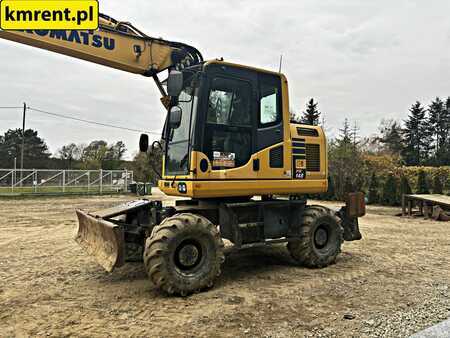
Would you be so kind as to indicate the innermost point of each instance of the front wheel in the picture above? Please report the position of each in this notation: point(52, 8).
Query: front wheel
point(320, 238)
point(184, 254)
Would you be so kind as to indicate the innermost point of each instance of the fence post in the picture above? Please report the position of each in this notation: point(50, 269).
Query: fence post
point(89, 180)
point(13, 173)
point(35, 182)
point(125, 188)
point(101, 181)
point(64, 181)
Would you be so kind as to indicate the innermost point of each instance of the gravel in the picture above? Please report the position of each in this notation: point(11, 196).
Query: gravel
point(429, 310)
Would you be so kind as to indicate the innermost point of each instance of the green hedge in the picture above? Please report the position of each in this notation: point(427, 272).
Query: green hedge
point(416, 180)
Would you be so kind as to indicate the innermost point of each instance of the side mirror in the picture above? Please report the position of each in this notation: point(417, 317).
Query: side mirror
point(175, 83)
point(175, 115)
point(143, 143)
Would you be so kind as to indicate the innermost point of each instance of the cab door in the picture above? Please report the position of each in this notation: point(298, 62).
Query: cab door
point(229, 139)
point(270, 131)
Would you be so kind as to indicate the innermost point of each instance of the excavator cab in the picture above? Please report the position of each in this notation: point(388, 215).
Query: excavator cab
point(229, 134)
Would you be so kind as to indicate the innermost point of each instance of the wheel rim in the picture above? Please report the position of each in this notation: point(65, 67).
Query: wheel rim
point(321, 237)
point(188, 255)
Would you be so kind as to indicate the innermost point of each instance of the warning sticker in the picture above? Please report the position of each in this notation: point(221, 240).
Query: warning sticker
point(300, 164)
point(226, 160)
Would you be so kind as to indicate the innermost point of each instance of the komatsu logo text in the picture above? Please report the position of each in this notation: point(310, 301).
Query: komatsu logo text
point(87, 38)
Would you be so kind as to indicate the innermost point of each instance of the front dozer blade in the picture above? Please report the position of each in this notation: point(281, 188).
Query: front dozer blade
point(102, 239)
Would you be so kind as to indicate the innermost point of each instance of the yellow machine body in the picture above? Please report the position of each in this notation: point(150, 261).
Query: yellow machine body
point(228, 137)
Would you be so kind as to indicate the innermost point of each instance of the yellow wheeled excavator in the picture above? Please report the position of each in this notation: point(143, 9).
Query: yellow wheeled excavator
point(229, 148)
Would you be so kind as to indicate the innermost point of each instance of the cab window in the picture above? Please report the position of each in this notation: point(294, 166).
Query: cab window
point(229, 123)
point(270, 100)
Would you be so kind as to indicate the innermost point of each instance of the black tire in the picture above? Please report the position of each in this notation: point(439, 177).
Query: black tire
point(321, 237)
point(184, 254)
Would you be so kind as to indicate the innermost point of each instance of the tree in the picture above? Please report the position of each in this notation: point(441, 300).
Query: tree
point(390, 191)
point(391, 137)
point(294, 116)
point(439, 129)
point(347, 167)
point(312, 114)
point(36, 152)
point(405, 187)
point(79, 152)
point(374, 194)
point(444, 154)
point(348, 186)
point(147, 166)
point(94, 155)
point(100, 155)
point(354, 134)
point(68, 153)
point(422, 183)
point(330, 195)
point(417, 136)
point(116, 151)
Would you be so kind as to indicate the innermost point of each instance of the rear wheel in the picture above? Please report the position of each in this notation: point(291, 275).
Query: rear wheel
point(184, 254)
point(321, 237)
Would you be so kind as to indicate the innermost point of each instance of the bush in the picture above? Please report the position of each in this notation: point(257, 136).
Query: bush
point(422, 183)
point(438, 186)
point(390, 191)
point(348, 186)
point(412, 173)
point(330, 195)
point(405, 187)
point(374, 194)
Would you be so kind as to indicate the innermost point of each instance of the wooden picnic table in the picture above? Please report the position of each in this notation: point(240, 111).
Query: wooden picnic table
point(426, 204)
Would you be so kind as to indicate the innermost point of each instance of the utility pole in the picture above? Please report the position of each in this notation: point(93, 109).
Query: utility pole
point(23, 142)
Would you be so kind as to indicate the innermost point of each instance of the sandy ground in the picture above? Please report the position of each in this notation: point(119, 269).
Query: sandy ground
point(50, 287)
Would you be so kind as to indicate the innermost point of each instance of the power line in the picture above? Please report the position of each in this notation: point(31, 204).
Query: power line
point(91, 122)
point(11, 107)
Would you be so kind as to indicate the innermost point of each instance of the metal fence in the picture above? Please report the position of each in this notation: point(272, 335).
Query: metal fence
point(64, 181)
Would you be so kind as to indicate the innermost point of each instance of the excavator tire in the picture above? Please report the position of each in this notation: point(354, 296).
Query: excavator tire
point(184, 254)
point(321, 237)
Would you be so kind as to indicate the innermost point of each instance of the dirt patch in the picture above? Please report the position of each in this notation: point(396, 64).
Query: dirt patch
point(392, 283)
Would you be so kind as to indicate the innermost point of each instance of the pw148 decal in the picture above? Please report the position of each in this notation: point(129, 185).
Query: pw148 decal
point(88, 38)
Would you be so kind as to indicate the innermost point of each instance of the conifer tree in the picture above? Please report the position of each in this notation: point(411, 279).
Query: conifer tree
point(439, 128)
point(374, 194)
point(390, 191)
point(417, 136)
point(422, 183)
point(405, 187)
point(444, 155)
point(312, 114)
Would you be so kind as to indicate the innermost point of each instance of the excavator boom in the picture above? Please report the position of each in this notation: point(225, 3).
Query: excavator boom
point(114, 44)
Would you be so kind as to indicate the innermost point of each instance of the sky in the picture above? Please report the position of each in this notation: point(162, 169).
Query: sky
point(361, 60)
